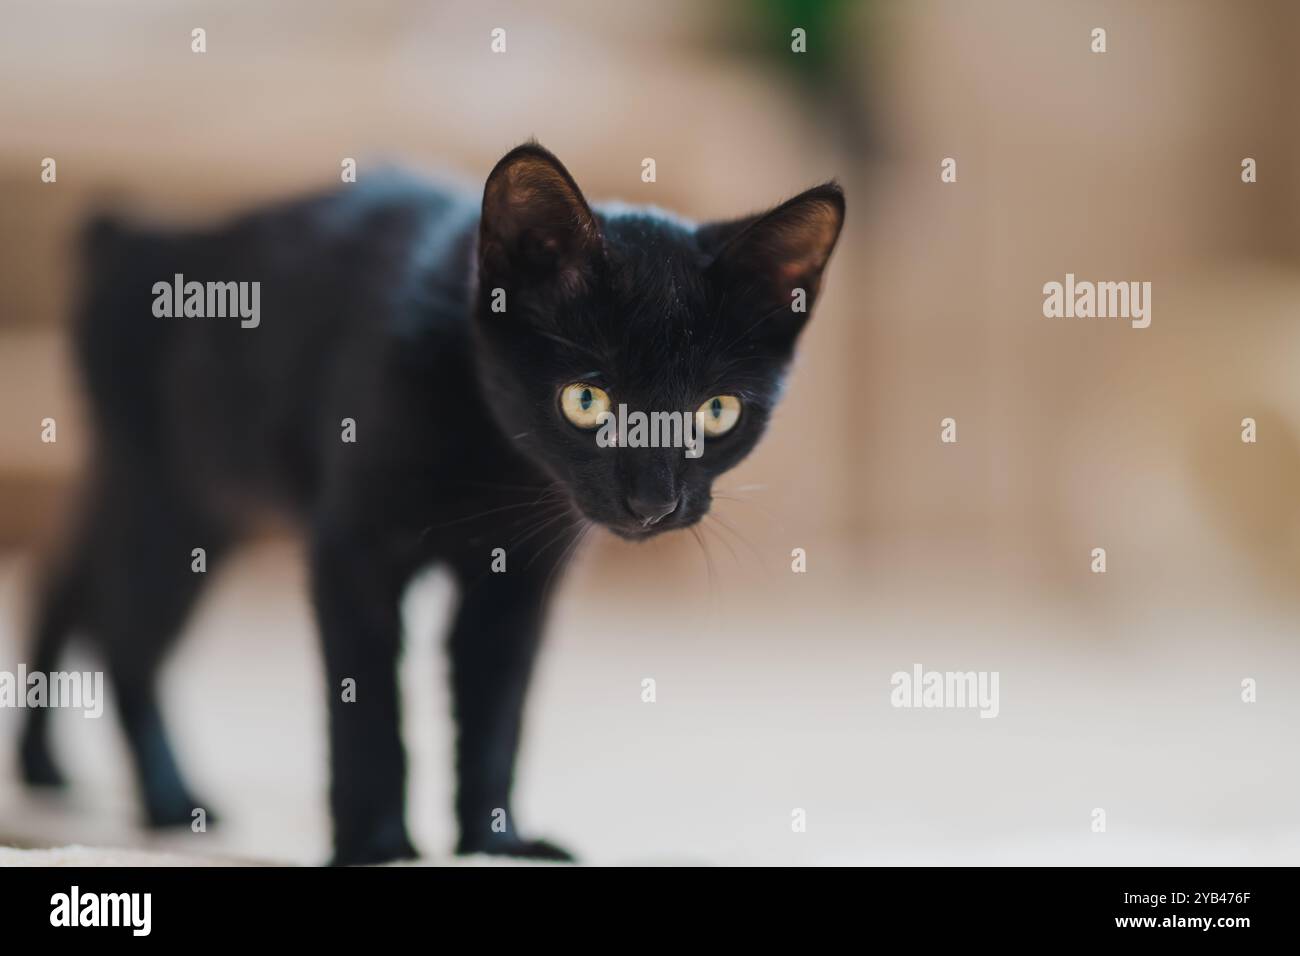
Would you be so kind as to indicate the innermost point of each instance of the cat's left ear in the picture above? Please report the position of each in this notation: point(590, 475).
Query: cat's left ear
point(783, 252)
point(536, 226)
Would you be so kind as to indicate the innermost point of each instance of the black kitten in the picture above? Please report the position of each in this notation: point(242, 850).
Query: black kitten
point(422, 380)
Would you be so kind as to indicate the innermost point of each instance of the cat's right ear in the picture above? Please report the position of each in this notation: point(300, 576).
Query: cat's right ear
point(536, 226)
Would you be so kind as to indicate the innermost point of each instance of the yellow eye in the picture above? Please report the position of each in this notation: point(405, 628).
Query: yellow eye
point(583, 404)
point(719, 414)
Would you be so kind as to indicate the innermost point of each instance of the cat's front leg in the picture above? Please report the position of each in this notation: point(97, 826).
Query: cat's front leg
point(493, 643)
point(357, 593)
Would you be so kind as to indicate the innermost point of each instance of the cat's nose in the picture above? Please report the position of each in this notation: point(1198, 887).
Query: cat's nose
point(650, 511)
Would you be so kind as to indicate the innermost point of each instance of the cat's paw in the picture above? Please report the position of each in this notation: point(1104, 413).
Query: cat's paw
point(388, 849)
point(176, 809)
point(511, 846)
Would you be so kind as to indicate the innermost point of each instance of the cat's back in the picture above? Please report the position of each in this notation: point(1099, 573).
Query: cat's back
point(229, 353)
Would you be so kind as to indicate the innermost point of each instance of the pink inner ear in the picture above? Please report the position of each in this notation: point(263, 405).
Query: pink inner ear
point(808, 245)
point(801, 272)
point(534, 197)
point(794, 270)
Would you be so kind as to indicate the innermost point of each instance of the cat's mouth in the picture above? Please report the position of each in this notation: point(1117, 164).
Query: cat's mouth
point(639, 532)
point(638, 520)
point(634, 527)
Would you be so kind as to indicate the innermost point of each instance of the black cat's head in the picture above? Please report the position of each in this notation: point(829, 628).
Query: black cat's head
point(588, 316)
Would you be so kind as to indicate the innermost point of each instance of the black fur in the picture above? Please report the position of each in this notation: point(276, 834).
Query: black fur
point(376, 307)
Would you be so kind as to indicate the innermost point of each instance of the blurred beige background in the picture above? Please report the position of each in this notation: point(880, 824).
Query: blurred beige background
point(1118, 691)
